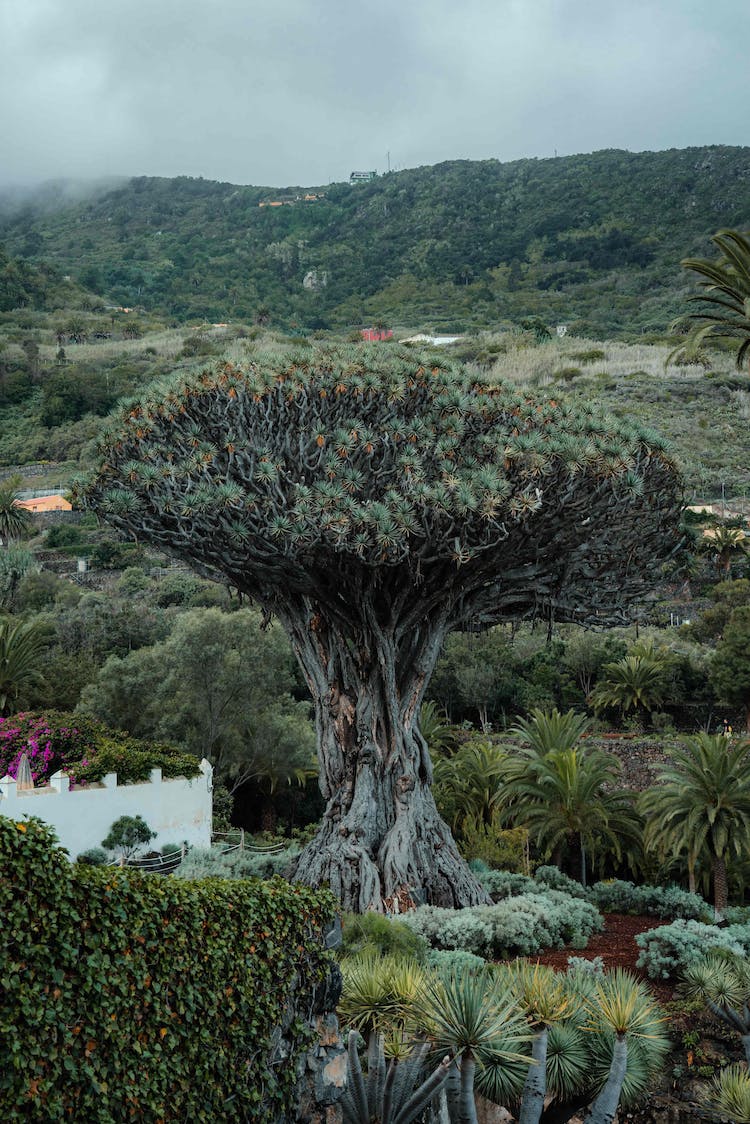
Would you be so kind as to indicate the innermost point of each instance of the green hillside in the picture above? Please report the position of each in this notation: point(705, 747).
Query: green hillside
point(591, 241)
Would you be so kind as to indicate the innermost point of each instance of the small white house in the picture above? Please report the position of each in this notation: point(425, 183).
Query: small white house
point(177, 810)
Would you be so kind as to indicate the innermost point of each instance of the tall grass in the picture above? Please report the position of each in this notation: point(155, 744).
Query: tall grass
point(558, 360)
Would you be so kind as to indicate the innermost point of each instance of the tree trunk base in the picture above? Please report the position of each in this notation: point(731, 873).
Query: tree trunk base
point(417, 855)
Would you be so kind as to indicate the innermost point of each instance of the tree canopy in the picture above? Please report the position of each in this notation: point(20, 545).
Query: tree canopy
point(373, 499)
point(304, 472)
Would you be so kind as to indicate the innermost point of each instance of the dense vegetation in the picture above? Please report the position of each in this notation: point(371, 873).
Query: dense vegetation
point(130, 997)
point(592, 241)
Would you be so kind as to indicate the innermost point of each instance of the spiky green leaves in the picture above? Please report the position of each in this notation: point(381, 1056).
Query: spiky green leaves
point(336, 460)
point(729, 1094)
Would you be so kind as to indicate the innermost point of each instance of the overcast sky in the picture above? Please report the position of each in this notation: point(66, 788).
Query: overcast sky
point(279, 92)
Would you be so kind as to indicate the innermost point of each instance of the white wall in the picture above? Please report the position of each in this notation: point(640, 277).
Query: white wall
point(176, 809)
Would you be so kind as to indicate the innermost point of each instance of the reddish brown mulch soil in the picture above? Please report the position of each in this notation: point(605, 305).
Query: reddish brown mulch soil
point(616, 946)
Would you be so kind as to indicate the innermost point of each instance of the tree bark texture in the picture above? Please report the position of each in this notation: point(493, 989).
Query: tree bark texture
point(721, 892)
point(467, 1113)
point(381, 833)
point(745, 1039)
point(535, 1086)
point(605, 1106)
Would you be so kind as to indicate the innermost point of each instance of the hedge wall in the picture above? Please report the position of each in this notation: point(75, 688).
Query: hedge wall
point(128, 997)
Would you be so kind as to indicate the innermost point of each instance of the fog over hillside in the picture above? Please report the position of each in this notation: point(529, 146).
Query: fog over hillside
point(293, 92)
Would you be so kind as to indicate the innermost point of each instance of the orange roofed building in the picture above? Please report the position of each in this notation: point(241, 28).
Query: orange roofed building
point(45, 503)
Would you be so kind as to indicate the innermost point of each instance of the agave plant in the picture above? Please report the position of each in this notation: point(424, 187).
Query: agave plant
point(729, 1094)
point(722, 982)
point(380, 992)
point(544, 999)
point(394, 1093)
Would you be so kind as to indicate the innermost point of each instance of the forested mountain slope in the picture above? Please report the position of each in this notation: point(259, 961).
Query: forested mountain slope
point(593, 241)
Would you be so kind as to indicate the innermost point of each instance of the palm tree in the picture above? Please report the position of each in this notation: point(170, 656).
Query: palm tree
point(14, 519)
point(467, 785)
point(702, 800)
point(566, 797)
point(636, 682)
point(436, 730)
point(21, 648)
point(725, 285)
point(548, 730)
point(725, 542)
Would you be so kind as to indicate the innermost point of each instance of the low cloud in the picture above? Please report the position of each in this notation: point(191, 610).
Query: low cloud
point(291, 92)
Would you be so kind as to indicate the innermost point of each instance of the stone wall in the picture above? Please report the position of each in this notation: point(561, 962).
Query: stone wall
point(323, 1071)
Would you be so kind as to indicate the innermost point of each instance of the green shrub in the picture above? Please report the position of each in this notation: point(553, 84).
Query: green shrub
point(63, 536)
point(591, 355)
point(524, 925)
point(567, 374)
point(517, 926)
point(550, 878)
point(94, 856)
point(129, 997)
point(454, 961)
point(580, 966)
point(204, 863)
point(385, 935)
point(504, 848)
point(85, 749)
point(452, 929)
point(670, 902)
point(127, 835)
point(502, 883)
point(737, 914)
point(669, 949)
point(505, 884)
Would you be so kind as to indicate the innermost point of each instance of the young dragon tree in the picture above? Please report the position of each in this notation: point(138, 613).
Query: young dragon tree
point(373, 500)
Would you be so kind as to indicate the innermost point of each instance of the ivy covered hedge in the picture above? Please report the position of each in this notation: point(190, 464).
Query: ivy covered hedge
point(85, 749)
point(130, 997)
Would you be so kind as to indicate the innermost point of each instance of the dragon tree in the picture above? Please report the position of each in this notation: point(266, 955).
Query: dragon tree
point(373, 500)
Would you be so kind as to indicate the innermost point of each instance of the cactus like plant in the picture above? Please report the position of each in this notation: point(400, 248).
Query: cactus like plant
point(397, 1092)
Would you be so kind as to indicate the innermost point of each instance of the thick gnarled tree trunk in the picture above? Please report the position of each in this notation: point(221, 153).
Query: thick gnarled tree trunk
point(381, 831)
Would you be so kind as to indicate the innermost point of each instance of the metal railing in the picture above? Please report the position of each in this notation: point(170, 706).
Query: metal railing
point(154, 864)
point(230, 841)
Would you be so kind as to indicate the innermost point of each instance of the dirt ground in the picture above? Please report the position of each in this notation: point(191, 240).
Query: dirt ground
point(617, 948)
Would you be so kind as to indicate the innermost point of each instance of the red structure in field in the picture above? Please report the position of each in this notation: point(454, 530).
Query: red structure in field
point(374, 335)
